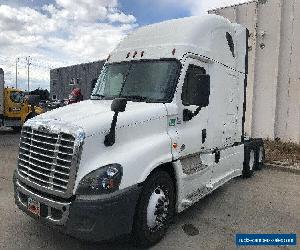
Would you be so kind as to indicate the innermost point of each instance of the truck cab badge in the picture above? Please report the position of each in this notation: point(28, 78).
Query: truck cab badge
point(172, 122)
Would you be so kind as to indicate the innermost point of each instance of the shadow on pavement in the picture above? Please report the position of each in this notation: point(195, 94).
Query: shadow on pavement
point(54, 239)
point(7, 131)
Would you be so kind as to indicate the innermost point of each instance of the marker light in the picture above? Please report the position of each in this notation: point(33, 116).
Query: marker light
point(128, 54)
point(142, 53)
point(173, 51)
point(134, 54)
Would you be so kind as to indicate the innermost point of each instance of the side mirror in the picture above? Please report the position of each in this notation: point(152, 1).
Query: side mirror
point(199, 92)
point(118, 105)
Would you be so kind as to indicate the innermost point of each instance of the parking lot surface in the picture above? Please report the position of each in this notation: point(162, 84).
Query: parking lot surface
point(269, 202)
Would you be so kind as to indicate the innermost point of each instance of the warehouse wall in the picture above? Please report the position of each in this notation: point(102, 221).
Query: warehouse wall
point(288, 95)
point(64, 80)
point(273, 98)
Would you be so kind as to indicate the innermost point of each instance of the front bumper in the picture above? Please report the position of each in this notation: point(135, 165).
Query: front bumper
point(85, 217)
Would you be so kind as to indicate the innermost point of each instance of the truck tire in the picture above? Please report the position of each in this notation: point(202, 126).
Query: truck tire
point(260, 157)
point(154, 210)
point(249, 163)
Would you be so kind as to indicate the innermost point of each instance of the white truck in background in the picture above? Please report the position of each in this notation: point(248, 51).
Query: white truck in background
point(164, 127)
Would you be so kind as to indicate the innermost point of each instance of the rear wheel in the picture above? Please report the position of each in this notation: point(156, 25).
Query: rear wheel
point(155, 209)
point(260, 157)
point(249, 163)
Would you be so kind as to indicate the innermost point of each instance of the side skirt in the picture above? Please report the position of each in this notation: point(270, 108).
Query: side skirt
point(192, 188)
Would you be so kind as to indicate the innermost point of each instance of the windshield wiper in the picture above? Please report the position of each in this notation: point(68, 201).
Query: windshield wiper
point(98, 95)
point(135, 97)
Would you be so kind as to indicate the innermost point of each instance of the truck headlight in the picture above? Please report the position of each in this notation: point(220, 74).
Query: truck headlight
point(103, 180)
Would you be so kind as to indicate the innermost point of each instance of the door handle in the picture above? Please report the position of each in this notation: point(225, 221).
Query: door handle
point(203, 135)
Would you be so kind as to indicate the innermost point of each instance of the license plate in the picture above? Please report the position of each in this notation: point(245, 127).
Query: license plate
point(34, 206)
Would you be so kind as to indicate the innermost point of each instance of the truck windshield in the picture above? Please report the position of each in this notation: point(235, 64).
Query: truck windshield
point(149, 81)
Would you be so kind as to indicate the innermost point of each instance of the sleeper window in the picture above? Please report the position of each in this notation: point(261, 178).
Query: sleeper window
point(192, 78)
point(230, 43)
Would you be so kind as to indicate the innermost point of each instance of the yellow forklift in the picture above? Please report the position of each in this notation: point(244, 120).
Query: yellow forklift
point(16, 107)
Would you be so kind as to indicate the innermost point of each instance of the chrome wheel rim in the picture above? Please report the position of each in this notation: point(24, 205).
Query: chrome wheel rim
point(157, 209)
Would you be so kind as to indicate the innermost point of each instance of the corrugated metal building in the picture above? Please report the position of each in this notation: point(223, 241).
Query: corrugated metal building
point(64, 80)
point(273, 100)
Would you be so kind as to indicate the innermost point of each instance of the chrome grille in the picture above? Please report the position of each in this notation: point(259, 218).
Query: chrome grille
point(46, 158)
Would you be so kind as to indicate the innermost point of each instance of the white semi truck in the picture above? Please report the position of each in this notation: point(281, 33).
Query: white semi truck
point(164, 127)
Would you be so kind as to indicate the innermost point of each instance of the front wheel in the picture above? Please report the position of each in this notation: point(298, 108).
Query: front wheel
point(155, 209)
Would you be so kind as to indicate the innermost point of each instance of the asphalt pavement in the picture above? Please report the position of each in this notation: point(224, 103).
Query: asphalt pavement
point(269, 202)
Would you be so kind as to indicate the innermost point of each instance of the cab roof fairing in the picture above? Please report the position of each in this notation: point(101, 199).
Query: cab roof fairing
point(204, 35)
point(158, 52)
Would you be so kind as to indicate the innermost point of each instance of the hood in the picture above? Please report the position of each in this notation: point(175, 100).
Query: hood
point(95, 116)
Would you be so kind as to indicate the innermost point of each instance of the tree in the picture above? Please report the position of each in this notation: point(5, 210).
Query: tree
point(42, 93)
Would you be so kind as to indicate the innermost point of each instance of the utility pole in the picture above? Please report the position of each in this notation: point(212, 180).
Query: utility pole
point(28, 59)
point(17, 60)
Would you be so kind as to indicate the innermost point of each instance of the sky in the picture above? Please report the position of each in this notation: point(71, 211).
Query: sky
point(56, 33)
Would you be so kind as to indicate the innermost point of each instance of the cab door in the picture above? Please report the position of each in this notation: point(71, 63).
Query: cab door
point(195, 157)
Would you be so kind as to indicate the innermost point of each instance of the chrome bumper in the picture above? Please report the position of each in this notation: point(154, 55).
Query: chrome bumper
point(54, 212)
point(94, 220)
